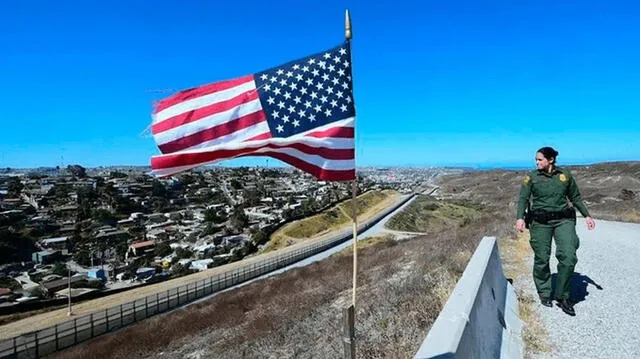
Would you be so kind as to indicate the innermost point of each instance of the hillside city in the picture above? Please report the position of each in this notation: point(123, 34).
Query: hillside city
point(108, 229)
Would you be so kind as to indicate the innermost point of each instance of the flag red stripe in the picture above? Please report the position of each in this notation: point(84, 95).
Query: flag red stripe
point(262, 136)
point(321, 173)
point(337, 132)
point(197, 114)
point(195, 92)
point(186, 159)
point(214, 132)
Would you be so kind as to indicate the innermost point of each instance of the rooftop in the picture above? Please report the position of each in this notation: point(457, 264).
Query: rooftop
point(143, 244)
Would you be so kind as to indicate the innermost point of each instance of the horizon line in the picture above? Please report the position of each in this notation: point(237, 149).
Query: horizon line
point(486, 165)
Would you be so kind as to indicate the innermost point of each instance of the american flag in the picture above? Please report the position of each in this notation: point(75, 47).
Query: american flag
point(301, 113)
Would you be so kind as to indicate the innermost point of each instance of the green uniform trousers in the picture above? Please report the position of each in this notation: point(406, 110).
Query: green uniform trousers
point(567, 243)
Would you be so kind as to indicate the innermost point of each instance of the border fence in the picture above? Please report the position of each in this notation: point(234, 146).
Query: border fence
point(64, 335)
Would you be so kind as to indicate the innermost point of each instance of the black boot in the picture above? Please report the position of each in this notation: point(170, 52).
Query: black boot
point(546, 302)
point(566, 307)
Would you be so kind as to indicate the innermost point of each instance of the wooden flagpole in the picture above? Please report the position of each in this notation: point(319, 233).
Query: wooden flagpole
point(348, 36)
point(349, 337)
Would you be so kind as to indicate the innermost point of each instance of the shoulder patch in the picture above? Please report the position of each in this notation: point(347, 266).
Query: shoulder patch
point(527, 179)
point(563, 177)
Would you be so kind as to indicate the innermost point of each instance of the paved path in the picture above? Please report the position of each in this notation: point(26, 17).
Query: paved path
point(606, 287)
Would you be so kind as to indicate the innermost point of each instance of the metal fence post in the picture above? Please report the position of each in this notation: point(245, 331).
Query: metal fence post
point(15, 348)
point(157, 303)
point(121, 318)
point(91, 317)
point(37, 346)
point(57, 345)
point(146, 307)
point(75, 331)
point(178, 291)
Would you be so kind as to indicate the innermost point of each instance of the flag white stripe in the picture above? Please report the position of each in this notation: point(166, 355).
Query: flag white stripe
point(203, 101)
point(237, 136)
point(208, 122)
point(328, 142)
point(315, 160)
point(348, 122)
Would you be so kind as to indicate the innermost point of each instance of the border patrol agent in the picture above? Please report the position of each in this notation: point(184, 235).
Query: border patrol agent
point(549, 215)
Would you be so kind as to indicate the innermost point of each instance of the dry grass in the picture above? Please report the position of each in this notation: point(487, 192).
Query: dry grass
point(9, 318)
point(324, 222)
point(336, 218)
point(426, 214)
point(368, 242)
point(514, 253)
point(402, 286)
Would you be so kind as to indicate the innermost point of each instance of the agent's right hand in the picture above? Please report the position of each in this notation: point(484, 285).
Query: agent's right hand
point(520, 225)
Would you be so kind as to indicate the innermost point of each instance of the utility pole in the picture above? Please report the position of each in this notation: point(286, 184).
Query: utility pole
point(69, 312)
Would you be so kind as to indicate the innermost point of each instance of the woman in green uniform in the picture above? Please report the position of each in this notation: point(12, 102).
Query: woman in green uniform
point(543, 200)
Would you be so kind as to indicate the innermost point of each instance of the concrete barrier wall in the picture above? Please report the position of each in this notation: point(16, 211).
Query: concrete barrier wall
point(480, 318)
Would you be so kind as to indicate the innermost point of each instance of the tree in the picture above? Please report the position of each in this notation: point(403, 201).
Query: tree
point(60, 269)
point(210, 229)
point(163, 250)
point(183, 253)
point(82, 256)
point(187, 179)
point(60, 191)
point(211, 216)
point(104, 217)
point(14, 187)
point(117, 174)
point(14, 246)
point(236, 184)
point(260, 237)
point(627, 194)
point(138, 232)
point(86, 201)
point(251, 197)
point(77, 171)
point(126, 206)
point(158, 189)
point(160, 204)
point(178, 270)
point(239, 219)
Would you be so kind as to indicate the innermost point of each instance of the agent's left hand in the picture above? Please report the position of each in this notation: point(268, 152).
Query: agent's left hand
point(591, 224)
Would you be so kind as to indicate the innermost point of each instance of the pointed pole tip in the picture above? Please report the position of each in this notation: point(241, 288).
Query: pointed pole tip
point(347, 25)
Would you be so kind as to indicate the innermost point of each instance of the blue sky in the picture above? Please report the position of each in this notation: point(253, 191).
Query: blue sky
point(436, 82)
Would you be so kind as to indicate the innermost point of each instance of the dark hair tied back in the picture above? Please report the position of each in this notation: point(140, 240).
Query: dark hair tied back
point(548, 152)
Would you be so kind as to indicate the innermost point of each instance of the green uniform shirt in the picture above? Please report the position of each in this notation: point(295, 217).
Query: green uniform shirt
point(549, 192)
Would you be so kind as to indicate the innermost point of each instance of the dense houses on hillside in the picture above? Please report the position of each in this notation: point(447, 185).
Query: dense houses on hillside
point(110, 227)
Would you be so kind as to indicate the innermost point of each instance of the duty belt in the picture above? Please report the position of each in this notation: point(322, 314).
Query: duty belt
point(544, 217)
